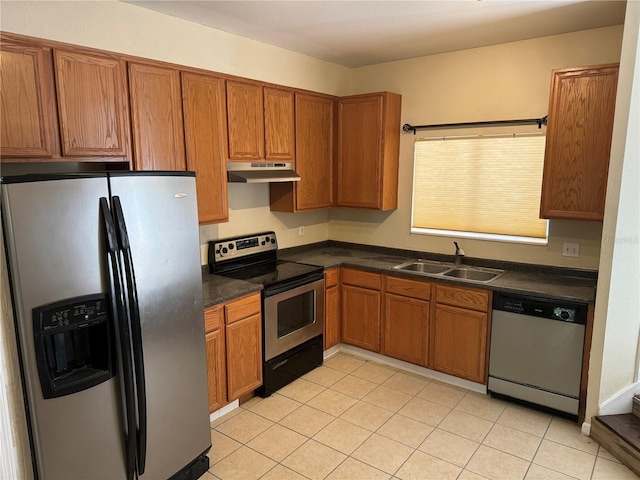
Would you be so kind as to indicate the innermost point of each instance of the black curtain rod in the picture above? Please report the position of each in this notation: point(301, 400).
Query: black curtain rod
point(527, 121)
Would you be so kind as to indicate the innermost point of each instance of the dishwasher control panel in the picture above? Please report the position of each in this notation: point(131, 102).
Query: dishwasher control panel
point(541, 307)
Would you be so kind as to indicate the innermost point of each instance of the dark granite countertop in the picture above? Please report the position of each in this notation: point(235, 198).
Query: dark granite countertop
point(524, 279)
point(538, 281)
point(217, 289)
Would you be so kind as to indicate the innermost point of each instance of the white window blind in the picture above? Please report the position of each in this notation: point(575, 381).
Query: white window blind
point(484, 186)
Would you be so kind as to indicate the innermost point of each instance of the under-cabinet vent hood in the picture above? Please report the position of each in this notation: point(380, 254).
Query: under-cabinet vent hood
point(255, 172)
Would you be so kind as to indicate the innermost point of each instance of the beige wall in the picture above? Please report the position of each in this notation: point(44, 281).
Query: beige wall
point(613, 373)
point(125, 28)
point(500, 82)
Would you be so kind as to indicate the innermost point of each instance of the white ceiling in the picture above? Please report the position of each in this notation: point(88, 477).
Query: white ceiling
point(362, 32)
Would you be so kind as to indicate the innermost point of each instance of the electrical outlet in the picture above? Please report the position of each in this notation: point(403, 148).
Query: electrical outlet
point(300, 231)
point(571, 249)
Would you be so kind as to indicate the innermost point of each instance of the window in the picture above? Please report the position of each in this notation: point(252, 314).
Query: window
point(481, 187)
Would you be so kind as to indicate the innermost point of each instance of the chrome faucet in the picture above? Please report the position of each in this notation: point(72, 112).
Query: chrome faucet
point(458, 255)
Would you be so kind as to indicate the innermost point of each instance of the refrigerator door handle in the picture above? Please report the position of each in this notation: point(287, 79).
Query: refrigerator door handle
point(120, 314)
point(136, 332)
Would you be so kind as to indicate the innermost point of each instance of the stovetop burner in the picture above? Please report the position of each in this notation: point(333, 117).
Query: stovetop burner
point(254, 258)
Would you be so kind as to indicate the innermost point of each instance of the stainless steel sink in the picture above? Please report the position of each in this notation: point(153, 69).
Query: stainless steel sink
point(440, 269)
point(423, 267)
point(474, 274)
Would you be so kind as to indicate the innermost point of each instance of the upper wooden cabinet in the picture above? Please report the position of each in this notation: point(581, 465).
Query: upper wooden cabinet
point(203, 98)
point(260, 122)
point(28, 126)
point(314, 134)
point(368, 151)
point(279, 127)
point(579, 129)
point(92, 105)
point(245, 121)
point(156, 118)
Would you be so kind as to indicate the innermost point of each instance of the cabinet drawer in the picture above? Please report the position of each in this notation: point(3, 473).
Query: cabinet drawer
point(331, 277)
point(463, 297)
point(409, 288)
point(359, 278)
point(212, 318)
point(242, 308)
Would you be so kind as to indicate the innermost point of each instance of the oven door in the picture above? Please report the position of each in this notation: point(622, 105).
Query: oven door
point(293, 314)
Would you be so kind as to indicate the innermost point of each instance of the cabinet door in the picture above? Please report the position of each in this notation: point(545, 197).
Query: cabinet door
point(314, 152)
point(244, 356)
point(332, 317)
point(279, 125)
point(156, 117)
point(406, 326)
point(245, 121)
point(578, 145)
point(359, 148)
point(361, 317)
point(93, 105)
point(216, 367)
point(27, 102)
point(331, 307)
point(204, 106)
point(314, 158)
point(459, 342)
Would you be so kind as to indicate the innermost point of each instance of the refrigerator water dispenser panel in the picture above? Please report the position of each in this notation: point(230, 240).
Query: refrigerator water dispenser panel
point(73, 344)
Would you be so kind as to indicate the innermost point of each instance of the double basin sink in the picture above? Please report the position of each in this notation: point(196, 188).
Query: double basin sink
point(448, 270)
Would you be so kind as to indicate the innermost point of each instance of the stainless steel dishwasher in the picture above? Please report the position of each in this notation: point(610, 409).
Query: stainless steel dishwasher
point(536, 350)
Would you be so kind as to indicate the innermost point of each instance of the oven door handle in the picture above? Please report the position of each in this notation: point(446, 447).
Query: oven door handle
point(269, 292)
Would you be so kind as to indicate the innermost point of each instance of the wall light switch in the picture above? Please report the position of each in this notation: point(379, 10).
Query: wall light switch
point(570, 249)
point(301, 232)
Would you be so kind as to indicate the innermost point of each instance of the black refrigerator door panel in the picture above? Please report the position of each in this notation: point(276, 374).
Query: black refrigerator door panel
point(56, 254)
point(162, 228)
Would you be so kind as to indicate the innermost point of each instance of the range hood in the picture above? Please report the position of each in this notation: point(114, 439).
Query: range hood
point(259, 172)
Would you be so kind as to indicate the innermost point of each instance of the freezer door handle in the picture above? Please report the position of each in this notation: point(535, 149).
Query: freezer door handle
point(120, 314)
point(136, 332)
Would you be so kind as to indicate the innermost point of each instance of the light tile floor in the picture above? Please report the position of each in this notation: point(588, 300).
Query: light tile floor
point(356, 420)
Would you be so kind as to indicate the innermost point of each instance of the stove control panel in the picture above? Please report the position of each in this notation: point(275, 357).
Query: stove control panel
point(238, 247)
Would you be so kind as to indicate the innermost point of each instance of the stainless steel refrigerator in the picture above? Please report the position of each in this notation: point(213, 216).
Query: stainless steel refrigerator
point(106, 286)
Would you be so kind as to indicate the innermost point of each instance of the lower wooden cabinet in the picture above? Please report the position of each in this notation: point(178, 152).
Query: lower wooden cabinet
point(459, 332)
point(361, 309)
point(244, 356)
point(331, 308)
point(216, 369)
point(406, 320)
point(234, 349)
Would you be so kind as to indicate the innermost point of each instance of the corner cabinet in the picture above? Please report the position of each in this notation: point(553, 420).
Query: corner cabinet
point(578, 146)
point(233, 339)
point(368, 151)
point(156, 117)
point(361, 309)
point(314, 162)
point(459, 332)
point(203, 102)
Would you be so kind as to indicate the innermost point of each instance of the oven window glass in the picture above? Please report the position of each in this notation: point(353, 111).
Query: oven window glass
point(295, 313)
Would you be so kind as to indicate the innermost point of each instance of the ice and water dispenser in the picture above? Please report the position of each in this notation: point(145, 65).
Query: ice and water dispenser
point(73, 344)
